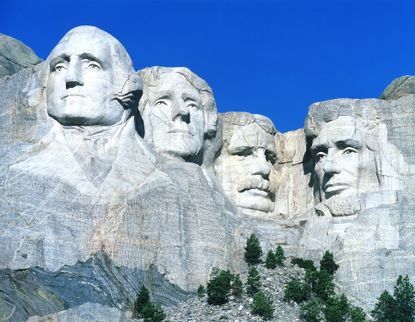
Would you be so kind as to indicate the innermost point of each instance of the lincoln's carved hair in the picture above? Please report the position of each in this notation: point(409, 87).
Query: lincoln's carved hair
point(327, 111)
point(151, 77)
point(127, 84)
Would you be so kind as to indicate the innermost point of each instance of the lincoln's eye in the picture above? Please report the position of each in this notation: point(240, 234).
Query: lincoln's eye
point(320, 155)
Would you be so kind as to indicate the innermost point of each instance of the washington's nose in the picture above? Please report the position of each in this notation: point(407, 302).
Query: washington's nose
point(74, 76)
point(331, 166)
point(262, 167)
point(180, 110)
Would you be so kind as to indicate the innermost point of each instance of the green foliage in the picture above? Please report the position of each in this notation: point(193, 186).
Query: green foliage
point(303, 263)
point(384, 308)
point(201, 291)
point(296, 290)
point(143, 298)
point(328, 264)
point(219, 287)
point(336, 308)
point(253, 282)
point(356, 314)
point(153, 313)
point(262, 305)
point(253, 251)
point(271, 260)
point(404, 295)
point(237, 286)
point(312, 311)
point(324, 285)
point(279, 256)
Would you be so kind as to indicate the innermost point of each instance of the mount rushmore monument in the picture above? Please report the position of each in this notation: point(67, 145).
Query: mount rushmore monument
point(112, 178)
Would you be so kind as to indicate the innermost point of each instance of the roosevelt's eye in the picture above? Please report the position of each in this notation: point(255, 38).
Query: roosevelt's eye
point(271, 157)
point(349, 150)
point(244, 153)
point(59, 67)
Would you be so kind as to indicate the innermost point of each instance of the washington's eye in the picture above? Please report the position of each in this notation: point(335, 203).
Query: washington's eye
point(192, 105)
point(349, 150)
point(59, 67)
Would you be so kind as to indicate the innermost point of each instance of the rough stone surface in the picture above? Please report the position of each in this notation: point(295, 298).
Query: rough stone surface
point(103, 192)
point(14, 56)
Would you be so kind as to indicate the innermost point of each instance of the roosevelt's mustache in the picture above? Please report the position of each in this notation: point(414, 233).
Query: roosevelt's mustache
point(255, 183)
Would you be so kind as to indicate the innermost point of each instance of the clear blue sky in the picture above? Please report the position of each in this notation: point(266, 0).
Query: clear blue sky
point(269, 57)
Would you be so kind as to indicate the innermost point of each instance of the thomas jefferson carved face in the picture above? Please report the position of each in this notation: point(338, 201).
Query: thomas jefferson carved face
point(80, 87)
point(175, 114)
point(343, 163)
point(245, 166)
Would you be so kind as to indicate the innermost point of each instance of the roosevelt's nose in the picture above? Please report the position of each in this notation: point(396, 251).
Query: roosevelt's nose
point(261, 166)
point(331, 166)
point(74, 76)
point(180, 110)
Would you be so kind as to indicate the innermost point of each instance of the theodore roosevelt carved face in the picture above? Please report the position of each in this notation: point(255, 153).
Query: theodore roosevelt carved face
point(86, 70)
point(178, 111)
point(245, 164)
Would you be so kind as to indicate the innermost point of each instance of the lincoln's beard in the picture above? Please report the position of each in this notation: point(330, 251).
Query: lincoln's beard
point(339, 206)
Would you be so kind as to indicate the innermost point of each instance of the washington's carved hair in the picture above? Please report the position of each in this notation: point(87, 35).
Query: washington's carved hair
point(151, 77)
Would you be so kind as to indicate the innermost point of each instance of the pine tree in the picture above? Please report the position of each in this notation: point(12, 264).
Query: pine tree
point(237, 286)
point(336, 308)
point(296, 290)
point(328, 264)
point(201, 291)
point(324, 285)
point(279, 256)
point(404, 295)
point(219, 287)
point(253, 250)
point(271, 260)
point(253, 282)
point(385, 308)
point(143, 298)
point(262, 305)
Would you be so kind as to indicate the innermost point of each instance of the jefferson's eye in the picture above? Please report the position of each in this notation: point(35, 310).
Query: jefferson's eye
point(94, 66)
point(349, 150)
point(59, 67)
point(161, 103)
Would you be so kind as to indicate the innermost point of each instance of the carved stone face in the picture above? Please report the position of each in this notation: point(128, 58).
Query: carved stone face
point(244, 168)
point(343, 163)
point(174, 118)
point(80, 89)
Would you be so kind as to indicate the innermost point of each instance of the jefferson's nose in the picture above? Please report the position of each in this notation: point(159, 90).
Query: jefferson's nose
point(74, 76)
point(261, 166)
point(180, 110)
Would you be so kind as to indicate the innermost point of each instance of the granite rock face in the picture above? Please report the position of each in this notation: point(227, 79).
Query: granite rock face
point(112, 178)
point(14, 56)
